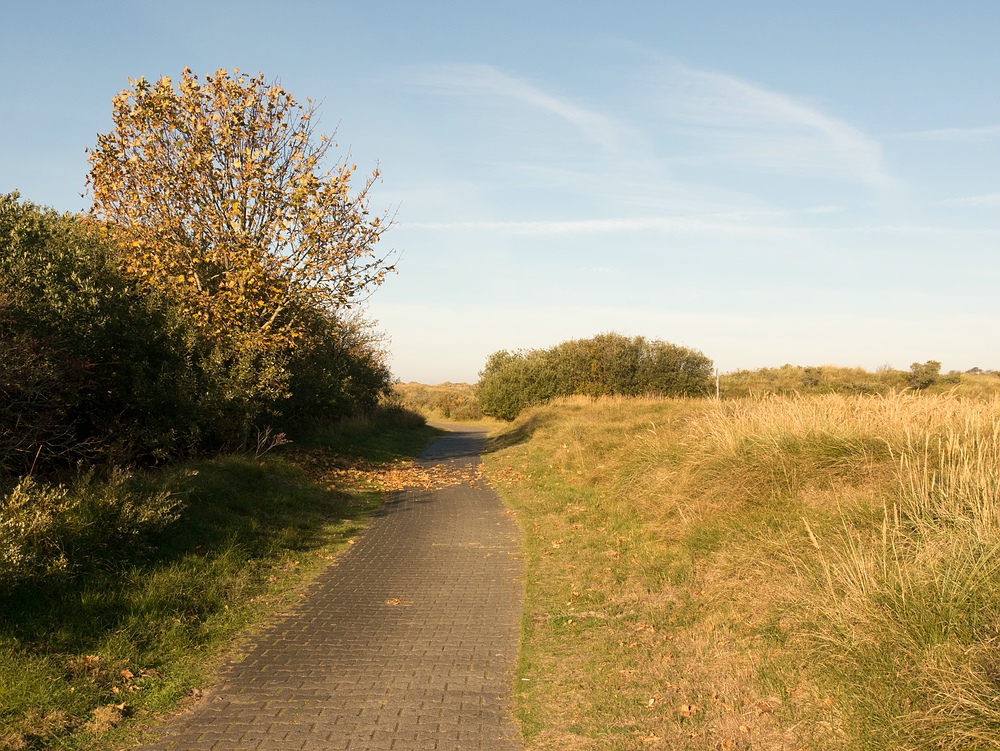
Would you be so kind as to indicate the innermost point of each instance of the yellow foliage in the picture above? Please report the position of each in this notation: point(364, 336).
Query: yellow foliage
point(214, 190)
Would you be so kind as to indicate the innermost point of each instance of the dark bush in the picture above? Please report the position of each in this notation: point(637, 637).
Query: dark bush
point(96, 366)
point(92, 367)
point(607, 365)
point(923, 375)
point(341, 371)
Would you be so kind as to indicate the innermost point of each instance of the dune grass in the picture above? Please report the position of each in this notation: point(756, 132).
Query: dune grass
point(785, 572)
point(93, 653)
point(444, 401)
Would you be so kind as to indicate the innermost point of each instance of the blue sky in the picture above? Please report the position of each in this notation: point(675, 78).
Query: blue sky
point(767, 182)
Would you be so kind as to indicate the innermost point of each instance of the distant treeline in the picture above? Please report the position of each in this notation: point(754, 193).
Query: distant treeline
point(96, 365)
point(606, 365)
point(616, 365)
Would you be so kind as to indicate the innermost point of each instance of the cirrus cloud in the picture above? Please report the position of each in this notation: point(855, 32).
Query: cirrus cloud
point(487, 82)
point(741, 122)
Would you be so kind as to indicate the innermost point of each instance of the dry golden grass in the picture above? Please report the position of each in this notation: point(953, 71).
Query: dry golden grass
point(444, 401)
point(778, 573)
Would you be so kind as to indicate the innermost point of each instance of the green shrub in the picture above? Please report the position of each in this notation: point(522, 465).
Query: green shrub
point(822, 379)
point(452, 401)
point(340, 371)
point(47, 530)
point(459, 406)
point(924, 375)
point(96, 366)
point(510, 382)
point(607, 365)
point(91, 366)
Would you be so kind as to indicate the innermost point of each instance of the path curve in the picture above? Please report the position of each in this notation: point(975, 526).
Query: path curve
point(409, 641)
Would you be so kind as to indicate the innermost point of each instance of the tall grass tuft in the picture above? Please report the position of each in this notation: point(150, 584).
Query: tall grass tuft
point(902, 601)
point(912, 606)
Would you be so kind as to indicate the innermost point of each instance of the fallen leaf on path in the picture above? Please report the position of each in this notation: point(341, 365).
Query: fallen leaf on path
point(347, 473)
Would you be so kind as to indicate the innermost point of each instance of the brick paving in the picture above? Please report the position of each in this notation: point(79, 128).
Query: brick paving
point(346, 670)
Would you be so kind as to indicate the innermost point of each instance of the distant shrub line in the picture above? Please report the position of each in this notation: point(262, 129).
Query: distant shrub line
point(606, 365)
point(615, 365)
point(830, 379)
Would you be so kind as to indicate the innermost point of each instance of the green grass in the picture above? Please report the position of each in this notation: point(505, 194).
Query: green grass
point(89, 657)
point(390, 432)
point(591, 628)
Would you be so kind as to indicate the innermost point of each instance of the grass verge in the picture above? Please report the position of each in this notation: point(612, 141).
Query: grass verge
point(93, 655)
point(784, 573)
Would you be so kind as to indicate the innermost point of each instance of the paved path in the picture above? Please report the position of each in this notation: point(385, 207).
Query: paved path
point(348, 671)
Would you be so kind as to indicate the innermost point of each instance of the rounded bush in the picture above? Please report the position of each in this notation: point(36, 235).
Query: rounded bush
point(606, 365)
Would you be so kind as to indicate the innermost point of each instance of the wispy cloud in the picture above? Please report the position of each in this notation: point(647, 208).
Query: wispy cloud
point(728, 226)
point(768, 130)
point(748, 225)
point(826, 209)
point(990, 199)
point(954, 134)
point(486, 82)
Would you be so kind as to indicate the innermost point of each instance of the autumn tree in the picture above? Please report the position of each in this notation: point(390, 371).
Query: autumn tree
point(221, 194)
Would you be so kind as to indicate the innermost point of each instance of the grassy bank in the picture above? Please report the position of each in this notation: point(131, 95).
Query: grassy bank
point(117, 635)
point(789, 572)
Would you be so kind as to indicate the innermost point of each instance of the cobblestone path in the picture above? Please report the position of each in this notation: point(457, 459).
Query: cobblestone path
point(407, 642)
